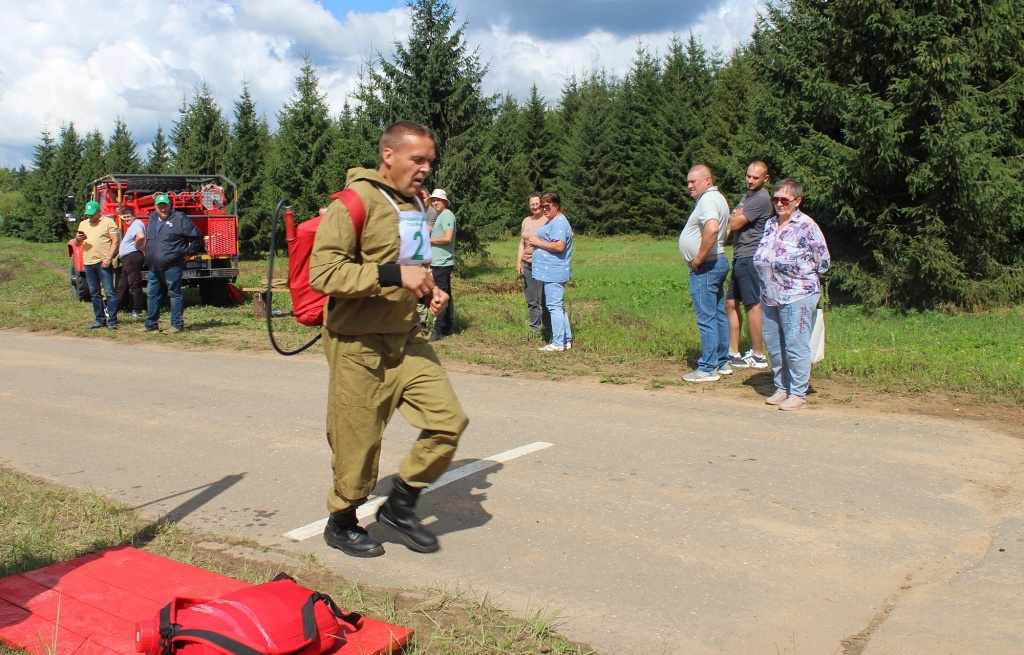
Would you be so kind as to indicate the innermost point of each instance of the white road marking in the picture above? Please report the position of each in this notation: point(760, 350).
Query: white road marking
point(368, 510)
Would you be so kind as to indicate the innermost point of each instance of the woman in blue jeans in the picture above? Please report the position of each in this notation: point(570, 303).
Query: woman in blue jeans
point(789, 259)
point(552, 265)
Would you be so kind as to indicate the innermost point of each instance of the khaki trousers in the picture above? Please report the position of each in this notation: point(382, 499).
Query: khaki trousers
point(370, 377)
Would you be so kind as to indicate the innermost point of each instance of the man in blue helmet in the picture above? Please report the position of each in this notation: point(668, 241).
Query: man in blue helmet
point(170, 237)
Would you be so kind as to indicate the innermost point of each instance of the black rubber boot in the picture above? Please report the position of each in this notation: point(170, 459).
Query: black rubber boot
point(399, 512)
point(344, 533)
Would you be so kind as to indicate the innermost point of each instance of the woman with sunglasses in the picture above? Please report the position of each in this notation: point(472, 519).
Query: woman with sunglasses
point(789, 259)
point(552, 257)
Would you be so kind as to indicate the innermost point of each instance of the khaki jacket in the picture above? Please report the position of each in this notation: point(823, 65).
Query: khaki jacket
point(358, 305)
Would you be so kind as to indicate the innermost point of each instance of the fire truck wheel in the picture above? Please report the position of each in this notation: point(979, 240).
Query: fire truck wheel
point(79, 286)
point(214, 292)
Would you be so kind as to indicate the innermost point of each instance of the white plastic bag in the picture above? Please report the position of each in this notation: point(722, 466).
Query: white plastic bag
point(818, 338)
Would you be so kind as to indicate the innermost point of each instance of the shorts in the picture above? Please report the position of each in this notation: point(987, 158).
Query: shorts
point(745, 284)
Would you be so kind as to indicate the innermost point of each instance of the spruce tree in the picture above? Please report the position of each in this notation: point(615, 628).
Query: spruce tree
point(687, 82)
point(508, 179)
point(158, 156)
point(539, 141)
point(245, 165)
point(38, 192)
point(588, 168)
point(643, 203)
point(61, 181)
point(122, 155)
point(434, 79)
point(201, 134)
point(911, 153)
point(93, 165)
point(300, 167)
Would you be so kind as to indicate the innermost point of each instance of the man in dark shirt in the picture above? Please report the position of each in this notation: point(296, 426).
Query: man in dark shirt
point(747, 223)
point(170, 237)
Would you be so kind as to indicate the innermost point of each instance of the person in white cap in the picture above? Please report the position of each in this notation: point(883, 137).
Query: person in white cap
point(442, 246)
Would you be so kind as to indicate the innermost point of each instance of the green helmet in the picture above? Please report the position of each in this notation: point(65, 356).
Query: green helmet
point(91, 207)
point(161, 199)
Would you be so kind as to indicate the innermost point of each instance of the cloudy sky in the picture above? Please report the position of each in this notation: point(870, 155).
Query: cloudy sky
point(88, 61)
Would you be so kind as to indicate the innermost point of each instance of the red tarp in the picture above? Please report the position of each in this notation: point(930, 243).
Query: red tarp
point(89, 605)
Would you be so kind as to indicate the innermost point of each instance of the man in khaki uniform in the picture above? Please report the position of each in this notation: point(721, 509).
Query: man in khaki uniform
point(378, 356)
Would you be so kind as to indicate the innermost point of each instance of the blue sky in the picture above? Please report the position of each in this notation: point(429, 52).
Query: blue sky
point(63, 61)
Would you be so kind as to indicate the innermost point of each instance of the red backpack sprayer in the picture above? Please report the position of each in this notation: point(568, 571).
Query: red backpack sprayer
point(307, 304)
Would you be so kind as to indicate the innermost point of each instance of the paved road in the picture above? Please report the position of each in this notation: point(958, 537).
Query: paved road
point(661, 521)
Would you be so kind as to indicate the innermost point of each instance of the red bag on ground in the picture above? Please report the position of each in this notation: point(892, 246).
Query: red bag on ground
point(308, 305)
point(280, 617)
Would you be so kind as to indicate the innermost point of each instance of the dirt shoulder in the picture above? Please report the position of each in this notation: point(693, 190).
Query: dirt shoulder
point(749, 386)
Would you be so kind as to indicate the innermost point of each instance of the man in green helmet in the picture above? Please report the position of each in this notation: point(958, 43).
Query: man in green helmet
point(170, 237)
point(100, 239)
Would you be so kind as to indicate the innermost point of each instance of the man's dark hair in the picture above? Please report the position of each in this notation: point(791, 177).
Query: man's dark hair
point(552, 198)
point(127, 211)
point(392, 137)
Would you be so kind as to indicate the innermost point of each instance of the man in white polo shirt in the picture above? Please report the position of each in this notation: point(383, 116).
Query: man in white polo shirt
point(702, 245)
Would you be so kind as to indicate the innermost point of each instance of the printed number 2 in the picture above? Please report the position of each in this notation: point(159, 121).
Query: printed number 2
point(418, 237)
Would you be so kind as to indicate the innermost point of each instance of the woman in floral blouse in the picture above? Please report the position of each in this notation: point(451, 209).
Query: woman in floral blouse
point(791, 256)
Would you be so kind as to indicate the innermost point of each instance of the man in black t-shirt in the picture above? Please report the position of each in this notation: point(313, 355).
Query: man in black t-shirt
point(747, 223)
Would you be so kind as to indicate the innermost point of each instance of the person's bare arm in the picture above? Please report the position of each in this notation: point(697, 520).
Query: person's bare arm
point(444, 239)
point(708, 238)
point(115, 243)
point(550, 246)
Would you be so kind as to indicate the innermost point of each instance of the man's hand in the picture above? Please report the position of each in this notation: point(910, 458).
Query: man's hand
point(519, 268)
point(106, 262)
point(438, 301)
point(418, 280)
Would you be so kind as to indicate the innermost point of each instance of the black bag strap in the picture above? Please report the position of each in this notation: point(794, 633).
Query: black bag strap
point(170, 632)
point(309, 618)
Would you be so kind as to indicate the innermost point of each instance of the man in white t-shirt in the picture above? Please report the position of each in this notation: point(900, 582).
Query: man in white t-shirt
point(702, 245)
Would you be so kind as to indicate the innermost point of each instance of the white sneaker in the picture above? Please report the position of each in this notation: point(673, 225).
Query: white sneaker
point(701, 376)
point(755, 361)
point(725, 369)
point(776, 398)
point(551, 348)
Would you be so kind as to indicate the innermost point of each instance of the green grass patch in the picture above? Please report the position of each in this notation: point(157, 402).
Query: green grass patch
point(631, 315)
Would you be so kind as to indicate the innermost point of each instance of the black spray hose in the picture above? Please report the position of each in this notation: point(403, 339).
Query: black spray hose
point(269, 294)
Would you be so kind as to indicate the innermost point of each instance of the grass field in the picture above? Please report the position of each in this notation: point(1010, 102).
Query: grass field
point(631, 316)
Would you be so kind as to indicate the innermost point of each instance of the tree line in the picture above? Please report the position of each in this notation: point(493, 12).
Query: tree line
point(904, 121)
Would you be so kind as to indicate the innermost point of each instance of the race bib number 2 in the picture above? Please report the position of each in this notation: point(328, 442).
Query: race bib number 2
point(415, 237)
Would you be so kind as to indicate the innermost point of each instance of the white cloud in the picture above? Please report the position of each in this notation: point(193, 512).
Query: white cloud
point(87, 61)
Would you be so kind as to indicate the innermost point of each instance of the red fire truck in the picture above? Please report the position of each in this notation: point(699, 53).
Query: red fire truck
point(211, 201)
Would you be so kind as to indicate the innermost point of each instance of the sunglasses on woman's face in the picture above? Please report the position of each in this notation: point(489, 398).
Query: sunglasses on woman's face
point(782, 201)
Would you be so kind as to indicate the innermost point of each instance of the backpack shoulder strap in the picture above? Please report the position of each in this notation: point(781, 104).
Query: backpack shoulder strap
point(354, 204)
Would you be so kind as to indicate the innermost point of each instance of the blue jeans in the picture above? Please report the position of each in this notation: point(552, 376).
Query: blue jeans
point(787, 340)
point(554, 293)
point(707, 288)
point(160, 282)
point(96, 275)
